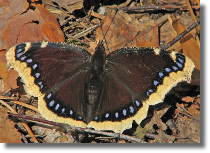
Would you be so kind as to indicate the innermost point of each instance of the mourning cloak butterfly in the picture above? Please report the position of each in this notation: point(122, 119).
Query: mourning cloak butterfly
point(105, 92)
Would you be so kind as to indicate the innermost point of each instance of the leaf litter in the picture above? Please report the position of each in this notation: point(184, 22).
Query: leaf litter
point(144, 28)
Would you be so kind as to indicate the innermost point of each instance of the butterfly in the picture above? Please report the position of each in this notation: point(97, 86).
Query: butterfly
point(99, 90)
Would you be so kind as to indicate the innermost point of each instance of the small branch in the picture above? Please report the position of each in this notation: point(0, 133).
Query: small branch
point(115, 135)
point(133, 8)
point(35, 119)
point(157, 8)
point(85, 32)
point(181, 35)
point(189, 114)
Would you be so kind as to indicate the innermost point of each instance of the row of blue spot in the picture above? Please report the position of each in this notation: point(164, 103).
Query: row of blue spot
point(179, 64)
point(57, 106)
point(20, 55)
point(126, 112)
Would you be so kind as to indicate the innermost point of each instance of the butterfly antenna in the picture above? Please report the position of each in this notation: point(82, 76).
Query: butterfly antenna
point(104, 34)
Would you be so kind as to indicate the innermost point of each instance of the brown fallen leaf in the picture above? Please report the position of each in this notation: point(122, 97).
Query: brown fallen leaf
point(8, 77)
point(8, 132)
point(39, 23)
point(194, 109)
point(188, 129)
point(17, 23)
point(120, 30)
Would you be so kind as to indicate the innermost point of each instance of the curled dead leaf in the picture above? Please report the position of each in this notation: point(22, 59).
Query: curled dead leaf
point(17, 23)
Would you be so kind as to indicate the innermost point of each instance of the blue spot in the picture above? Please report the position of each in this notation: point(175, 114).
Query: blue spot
point(71, 112)
point(39, 83)
point(49, 95)
point(161, 74)
point(19, 50)
point(20, 54)
point(37, 75)
point(51, 103)
point(179, 64)
point(131, 109)
point(23, 58)
point(156, 82)
point(21, 46)
point(57, 106)
point(34, 66)
point(29, 60)
point(149, 92)
point(107, 115)
point(137, 103)
point(181, 60)
point(124, 112)
point(175, 68)
point(168, 70)
point(63, 110)
point(116, 114)
point(96, 118)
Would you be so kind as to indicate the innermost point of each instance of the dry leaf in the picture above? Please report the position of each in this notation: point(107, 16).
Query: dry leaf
point(188, 128)
point(8, 77)
point(194, 109)
point(8, 132)
point(188, 43)
point(17, 24)
point(120, 30)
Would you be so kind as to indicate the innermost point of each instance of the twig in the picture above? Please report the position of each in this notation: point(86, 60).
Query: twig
point(190, 115)
point(67, 20)
point(94, 14)
point(34, 119)
point(14, 100)
point(8, 98)
point(115, 135)
point(181, 35)
point(156, 8)
point(85, 32)
point(26, 105)
point(133, 8)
